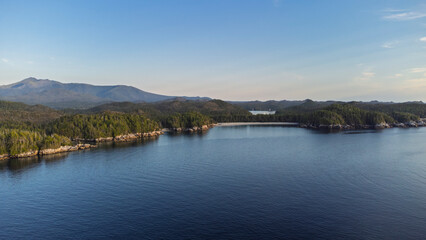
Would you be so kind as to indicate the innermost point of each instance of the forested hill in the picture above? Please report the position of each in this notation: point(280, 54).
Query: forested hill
point(283, 104)
point(416, 108)
point(158, 109)
point(308, 105)
point(14, 112)
point(26, 128)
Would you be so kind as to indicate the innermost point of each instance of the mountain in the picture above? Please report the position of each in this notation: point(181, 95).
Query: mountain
point(75, 95)
point(157, 109)
point(14, 113)
point(280, 105)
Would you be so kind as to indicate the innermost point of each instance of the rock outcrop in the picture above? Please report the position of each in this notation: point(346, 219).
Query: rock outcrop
point(420, 123)
point(193, 129)
point(122, 138)
point(48, 151)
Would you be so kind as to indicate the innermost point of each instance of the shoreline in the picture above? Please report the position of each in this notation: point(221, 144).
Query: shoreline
point(121, 138)
point(49, 151)
point(231, 124)
point(189, 130)
point(82, 144)
point(412, 124)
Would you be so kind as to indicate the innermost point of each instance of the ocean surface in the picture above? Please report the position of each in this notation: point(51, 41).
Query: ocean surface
point(242, 182)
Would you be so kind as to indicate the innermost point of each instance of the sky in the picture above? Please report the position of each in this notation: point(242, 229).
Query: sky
point(227, 49)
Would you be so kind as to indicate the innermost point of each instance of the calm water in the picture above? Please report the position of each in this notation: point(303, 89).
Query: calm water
point(242, 182)
point(262, 112)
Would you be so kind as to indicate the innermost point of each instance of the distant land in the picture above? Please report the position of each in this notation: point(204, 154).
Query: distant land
point(34, 129)
point(76, 95)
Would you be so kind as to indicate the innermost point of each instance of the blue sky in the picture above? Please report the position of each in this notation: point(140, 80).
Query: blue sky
point(227, 49)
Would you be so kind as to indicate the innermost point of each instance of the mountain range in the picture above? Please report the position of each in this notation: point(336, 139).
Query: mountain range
point(76, 95)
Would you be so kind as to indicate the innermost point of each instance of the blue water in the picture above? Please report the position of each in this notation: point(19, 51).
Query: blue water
point(262, 112)
point(246, 182)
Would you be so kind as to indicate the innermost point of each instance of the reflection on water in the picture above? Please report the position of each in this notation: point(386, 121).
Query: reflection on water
point(19, 164)
point(243, 182)
point(176, 134)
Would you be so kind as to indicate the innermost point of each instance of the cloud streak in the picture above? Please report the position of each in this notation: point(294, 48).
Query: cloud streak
point(423, 39)
point(390, 44)
point(401, 15)
point(418, 70)
point(365, 76)
point(5, 60)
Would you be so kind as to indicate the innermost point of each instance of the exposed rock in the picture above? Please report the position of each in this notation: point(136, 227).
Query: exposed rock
point(411, 124)
point(401, 125)
point(26, 154)
point(122, 138)
point(193, 129)
point(381, 126)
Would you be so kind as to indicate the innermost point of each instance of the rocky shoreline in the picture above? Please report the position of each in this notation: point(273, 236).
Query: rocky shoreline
point(121, 138)
point(49, 151)
point(190, 130)
point(411, 124)
point(87, 143)
point(83, 144)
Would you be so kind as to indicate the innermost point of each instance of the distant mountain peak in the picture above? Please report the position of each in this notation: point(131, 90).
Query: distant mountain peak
point(70, 95)
point(30, 79)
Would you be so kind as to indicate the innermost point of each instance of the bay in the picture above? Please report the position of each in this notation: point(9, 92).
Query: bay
point(239, 182)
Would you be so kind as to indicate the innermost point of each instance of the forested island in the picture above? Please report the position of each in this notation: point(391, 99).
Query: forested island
point(29, 130)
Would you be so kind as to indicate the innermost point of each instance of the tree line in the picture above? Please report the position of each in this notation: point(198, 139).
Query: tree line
point(26, 128)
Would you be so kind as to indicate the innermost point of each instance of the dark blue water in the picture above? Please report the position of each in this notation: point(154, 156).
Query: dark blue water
point(232, 183)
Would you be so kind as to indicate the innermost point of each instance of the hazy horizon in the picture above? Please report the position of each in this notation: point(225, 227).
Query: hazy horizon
point(230, 100)
point(230, 50)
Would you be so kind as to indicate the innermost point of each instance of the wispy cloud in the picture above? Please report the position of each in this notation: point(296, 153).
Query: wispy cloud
point(402, 15)
point(397, 75)
point(5, 60)
point(392, 10)
point(365, 76)
point(390, 44)
point(417, 70)
point(423, 39)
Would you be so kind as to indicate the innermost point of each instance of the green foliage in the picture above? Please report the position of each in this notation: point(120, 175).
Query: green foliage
point(416, 108)
point(334, 114)
point(26, 128)
point(15, 141)
point(324, 117)
point(101, 125)
point(356, 116)
point(404, 117)
point(161, 110)
point(307, 106)
point(186, 120)
point(20, 113)
point(54, 141)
